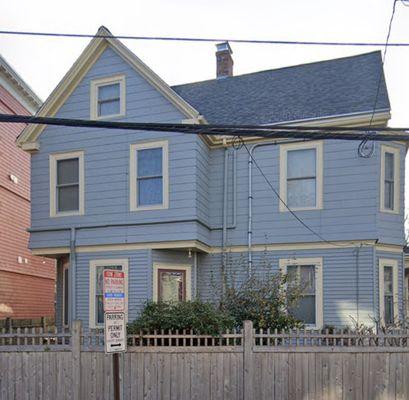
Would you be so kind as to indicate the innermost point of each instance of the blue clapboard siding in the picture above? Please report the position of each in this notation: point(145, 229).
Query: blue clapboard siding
point(339, 278)
point(139, 280)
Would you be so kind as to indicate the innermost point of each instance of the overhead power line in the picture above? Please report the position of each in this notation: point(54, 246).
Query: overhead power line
point(271, 132)
point(362, 151)
point(211, 40)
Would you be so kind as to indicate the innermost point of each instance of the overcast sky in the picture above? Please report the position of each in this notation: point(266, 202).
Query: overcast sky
point(43, 61)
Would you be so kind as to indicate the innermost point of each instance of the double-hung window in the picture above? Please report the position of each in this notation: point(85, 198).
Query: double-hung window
point(96, 301)
point(388, 291)
point(171, 282)
point(149, 176)
point(108, 97)
point(67, 184)
point(389, 179)
point(306, 276)
point(301, 175)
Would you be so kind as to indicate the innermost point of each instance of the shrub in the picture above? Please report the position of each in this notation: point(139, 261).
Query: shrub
point(199, 316)
point(263, 301)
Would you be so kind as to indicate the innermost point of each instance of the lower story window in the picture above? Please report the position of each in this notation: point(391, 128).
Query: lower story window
point(96, 307)
point(306, 274)
point(171, 283)
point(388, 291)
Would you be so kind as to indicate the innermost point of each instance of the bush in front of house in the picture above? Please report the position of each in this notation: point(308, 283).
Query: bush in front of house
point(263, 300)
point(198, 316)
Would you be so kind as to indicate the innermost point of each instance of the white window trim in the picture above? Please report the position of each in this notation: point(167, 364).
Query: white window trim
point(53, 183)
point(181, 267)
point(284, 148)
point(396, 189)
point(133, 173)
point(95, 84)
point(93, 264)
point(319, 314)
point(384, 262)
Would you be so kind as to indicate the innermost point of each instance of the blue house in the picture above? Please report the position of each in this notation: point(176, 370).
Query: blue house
point(172, 210)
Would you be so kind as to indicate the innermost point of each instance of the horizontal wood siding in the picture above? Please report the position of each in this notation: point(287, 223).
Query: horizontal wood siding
point(340, 277)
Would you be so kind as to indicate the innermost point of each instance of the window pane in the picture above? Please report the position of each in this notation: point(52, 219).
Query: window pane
point(108, 92)
point(389, 313)
point(68, 198)
point(150, 191)
point(301, 193)
point(67, 171)
point(301, 163)
point(389, 195)
point(150, 162)
point(99, 290)
point(388, 280)
point(171, 285)
point(389, 166)
point(307, 279)
point(304, 310)
point(111, 107)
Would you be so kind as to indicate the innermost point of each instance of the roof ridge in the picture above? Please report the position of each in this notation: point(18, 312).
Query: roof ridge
point(279, 69)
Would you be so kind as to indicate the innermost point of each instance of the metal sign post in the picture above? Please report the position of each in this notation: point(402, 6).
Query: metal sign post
point(114, 321)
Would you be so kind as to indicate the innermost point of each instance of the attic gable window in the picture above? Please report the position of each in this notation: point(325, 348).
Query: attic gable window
point(301, 176)
point(389, 196)
point(149, 176)
point(108, 97)
point(67, 184)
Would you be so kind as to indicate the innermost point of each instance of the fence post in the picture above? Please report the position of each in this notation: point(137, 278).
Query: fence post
point(248, 370)
point(76, 359)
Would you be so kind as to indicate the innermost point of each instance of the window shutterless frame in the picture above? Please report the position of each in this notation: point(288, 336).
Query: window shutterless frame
point(317, 262)
point(185, 269)
point(392, 182)
point(182, 289)
point(94, 96)
point(93, 265)
point(133, 175)
point(319, 172)
point(383, 262)
point(54, 158)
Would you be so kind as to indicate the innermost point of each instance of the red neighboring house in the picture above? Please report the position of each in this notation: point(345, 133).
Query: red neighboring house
point(27, 282)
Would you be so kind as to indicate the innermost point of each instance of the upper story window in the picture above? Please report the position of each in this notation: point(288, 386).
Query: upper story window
point(389, 198)
point(96, 301)
point(67, 184)
point(307, 275)
point(149, 176)
point(301, 176)
point(108, 97)
point(171, 282)
point(388, 291)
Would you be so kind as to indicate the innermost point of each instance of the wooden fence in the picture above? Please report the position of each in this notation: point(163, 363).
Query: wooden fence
point(180, 365)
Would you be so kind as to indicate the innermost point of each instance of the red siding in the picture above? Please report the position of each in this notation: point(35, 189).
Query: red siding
point(27, 288)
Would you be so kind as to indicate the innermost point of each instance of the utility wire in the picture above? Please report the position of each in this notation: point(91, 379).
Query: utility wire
point(361, 147)
point(191, 39)
point(251, 131)
point(305, 225)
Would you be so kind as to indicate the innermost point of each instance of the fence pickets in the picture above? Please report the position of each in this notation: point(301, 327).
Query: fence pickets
point(243, 365)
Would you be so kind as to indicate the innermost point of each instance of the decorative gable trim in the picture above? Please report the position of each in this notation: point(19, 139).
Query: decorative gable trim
point(28, 139)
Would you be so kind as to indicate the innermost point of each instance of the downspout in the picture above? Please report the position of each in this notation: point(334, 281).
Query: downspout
point(224, 224)
point(195, 274)
point(357, 250)
point(72, 276)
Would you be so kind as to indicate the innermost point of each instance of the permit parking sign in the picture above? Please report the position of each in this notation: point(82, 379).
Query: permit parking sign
point(114, 290)
point(115, 332)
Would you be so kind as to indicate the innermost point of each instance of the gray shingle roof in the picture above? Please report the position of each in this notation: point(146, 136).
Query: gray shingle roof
point(321, 89)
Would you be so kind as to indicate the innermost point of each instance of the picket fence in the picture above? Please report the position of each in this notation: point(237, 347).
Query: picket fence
point(245, 364)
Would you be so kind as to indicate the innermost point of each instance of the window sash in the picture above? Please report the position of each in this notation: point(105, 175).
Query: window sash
point(181, 286)
point(74, 184)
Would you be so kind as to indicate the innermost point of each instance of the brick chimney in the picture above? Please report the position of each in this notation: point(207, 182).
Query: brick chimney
point(224, 60)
